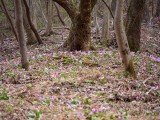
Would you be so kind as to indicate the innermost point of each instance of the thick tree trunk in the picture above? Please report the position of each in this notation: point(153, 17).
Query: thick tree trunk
point(122, 39)
point(133, 23)
point(20, 34)
point(80, 32)
point(80, 36)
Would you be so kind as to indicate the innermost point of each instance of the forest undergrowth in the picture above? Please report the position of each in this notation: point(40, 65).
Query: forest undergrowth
point(91, 85)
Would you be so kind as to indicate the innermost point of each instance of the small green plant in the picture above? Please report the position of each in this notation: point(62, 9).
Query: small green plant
point(3, 95)
point(75, 101)
point(68, 61)
point(107, 56)
point(87, 101)
point(13, 75)
point(119, 75)
point(64, 75)
point(35, 114)
point(90, 81)
point(46, 102)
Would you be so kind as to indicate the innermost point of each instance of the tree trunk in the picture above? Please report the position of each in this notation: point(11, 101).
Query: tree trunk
point(106, 25)
point(31, 39)
point(59, 15)
point(158, 9)
point(133, 23)
point(113, 6)
point(122, 39)
point(80, 32)
point(95, 11)
point(80, 37)
point(10, 20)
point(20, 34)
point(34, 12)
point(41, 9)
point(49, 17)
point(31, 24)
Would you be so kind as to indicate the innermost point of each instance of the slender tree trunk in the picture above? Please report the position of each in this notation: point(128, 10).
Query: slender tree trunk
point(96, 20)
point(113, 6)
point(31, 24)
point(31, 39)
point(49, 17)
point(10, 20)
point(122, 39)
point(20, 34)
point(158, 9)
point(34, 12)
point(40, 6)
point(1, 42)
point(106, 25)
point(59, 15)
point(133, 23)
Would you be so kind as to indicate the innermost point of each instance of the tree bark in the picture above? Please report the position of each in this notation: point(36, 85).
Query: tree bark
point(113, 6)
point(80, 32)
point(31, 24)
point(49, 17)
point(158, 9)
point(34, 12)
point(40, 6)
point(106, 25)
point(20, 34)
point(122, 39)
point(133, 23)
point(80, 39)
point(31, 39)
point(10, 20)
point(59, 16)
point(95, 11)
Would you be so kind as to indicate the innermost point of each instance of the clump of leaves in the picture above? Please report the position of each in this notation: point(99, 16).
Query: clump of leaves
point(3, 95)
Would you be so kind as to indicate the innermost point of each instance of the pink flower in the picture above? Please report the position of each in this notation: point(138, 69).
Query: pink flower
point(36, 109)
point(155, 59)
point(80, 114)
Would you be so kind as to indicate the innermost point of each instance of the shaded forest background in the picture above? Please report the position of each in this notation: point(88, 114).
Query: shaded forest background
point(78, 59)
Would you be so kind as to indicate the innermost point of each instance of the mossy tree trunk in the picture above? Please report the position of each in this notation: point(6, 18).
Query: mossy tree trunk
point(122, 39)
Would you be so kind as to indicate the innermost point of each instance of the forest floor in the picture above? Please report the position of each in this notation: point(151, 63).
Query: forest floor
point(92, 85)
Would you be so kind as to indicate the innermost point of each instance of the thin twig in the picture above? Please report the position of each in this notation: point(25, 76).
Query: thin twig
point(108, 8)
